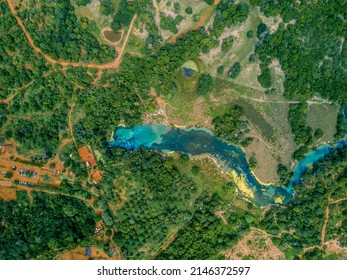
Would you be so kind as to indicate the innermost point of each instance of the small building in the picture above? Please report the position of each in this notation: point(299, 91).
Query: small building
point(97, 175)
point(87, 156)
point(88, 251)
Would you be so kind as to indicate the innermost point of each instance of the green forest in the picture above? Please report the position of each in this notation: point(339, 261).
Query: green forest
point(61, 95)
point(43, 223)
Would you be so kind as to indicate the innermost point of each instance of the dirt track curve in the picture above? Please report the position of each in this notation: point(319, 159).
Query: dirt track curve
point(114, 64)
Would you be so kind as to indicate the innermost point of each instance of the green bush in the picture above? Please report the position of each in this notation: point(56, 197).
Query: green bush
point(235, 70)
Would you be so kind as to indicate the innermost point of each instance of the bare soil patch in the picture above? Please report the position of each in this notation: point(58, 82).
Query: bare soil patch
point(7, 194)
point(79, 253)
point(143, 34)
point(258, 245)
point(334, 246)
point(205, 16)
point(271, 22)
point(87, 156)
point(219, 214)
point(9, 159)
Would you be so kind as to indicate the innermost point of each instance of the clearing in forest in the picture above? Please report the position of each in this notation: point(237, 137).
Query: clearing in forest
point(256, 245)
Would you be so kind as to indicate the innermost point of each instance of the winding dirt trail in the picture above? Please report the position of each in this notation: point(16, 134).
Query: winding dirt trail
point(114, 64)
point(219, 214)
point(20, 88)
point(157, 16)
point(323, 233)
point(309, 101)
point(118, 59)
point(337, 201)
point(8, 99)
point(6, 184)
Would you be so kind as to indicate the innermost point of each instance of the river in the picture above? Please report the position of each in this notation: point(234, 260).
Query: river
point(201, 141)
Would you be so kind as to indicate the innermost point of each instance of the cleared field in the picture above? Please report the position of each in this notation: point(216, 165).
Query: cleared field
point(186, 108)
point(242, 48)
point(266, 170)
point(79, 253)
point(277, 76)
point(268, 118)
point(7, 193)
point(256, 245)
point(323, 116)
point(12, 162)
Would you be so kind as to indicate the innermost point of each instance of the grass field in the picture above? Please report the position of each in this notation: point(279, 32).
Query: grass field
point(322, 116)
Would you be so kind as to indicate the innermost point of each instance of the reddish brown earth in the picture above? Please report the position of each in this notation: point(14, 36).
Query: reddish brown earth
point(202, 21)
point(7, 194)
point(79, 253)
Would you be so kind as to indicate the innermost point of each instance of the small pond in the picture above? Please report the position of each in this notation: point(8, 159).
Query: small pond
point(189, 69)
point(112, 36)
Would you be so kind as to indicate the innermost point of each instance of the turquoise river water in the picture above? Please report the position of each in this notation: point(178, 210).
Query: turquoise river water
point(201, 141)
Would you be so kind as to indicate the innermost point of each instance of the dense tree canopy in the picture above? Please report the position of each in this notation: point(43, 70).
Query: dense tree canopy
point(309, 47)
point(49, 222)
point(231, 126)
point(300, 223)
point(205, 84)
point(144, 198)
point(297, 118)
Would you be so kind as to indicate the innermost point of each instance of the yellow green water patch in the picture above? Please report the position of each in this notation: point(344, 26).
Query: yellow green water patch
point(241, 183)
point(279, 199)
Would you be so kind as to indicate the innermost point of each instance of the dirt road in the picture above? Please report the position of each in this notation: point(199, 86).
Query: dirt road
point(114, 64)
point(202, 21)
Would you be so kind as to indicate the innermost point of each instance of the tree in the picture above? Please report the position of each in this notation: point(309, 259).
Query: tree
point(189, 10)
point(205, 84)
point(82, 2)
point(318, 133)
point(220, 69)
point(115, 25)
point(235, 70)
point(250, 34)
point(227, 43)
point(210, 2)
point(195, 170)
point(231, 126)
point(297, 118)
point(252, 163)
point(106, 7)
point(66, 222)
point(265, 78)
point(300, 153)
